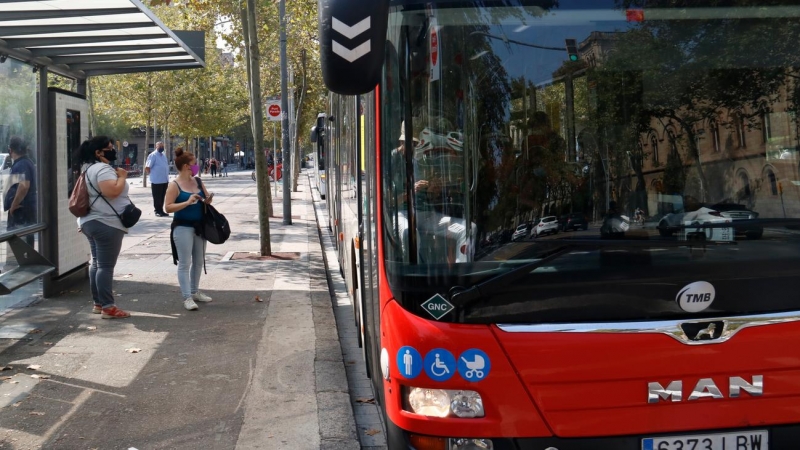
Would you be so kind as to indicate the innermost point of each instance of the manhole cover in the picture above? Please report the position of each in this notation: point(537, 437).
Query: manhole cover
point(256, 256)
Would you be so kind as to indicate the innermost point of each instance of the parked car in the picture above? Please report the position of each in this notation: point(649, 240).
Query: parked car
point(674, 222)
point(738, 212)
point(573, 221)
point(520, 233)
point(547, 225)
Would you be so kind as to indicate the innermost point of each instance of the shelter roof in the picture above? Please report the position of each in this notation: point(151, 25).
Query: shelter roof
point(82, 38)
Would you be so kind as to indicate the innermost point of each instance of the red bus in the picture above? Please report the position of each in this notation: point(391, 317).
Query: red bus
point(464, 135)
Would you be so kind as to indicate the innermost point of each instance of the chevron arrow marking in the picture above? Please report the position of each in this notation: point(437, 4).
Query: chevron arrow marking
point(351, 55)
point(350, 32)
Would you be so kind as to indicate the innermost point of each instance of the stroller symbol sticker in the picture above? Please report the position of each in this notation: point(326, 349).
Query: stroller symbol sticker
point(474, 365)
point(439, 364)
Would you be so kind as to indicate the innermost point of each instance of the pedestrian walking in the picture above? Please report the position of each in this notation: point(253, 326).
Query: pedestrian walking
point(185, 197)
point(202, 167)
point(102, 226)
point(20, 198)
point(213, 165)
point(224, 165)
point(157, 167)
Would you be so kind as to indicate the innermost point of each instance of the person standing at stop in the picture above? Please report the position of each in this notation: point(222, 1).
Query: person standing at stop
point(157, 167)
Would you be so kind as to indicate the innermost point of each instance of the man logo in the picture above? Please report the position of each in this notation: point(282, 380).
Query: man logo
point(706, 332)
point(696, 296)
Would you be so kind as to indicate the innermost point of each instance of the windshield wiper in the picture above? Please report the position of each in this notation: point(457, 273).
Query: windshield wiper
point(461, 297)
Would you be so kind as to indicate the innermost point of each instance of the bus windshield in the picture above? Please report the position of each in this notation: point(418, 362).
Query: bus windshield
point(651, 143)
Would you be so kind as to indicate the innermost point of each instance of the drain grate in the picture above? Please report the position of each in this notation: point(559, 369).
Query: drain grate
point(256, 256)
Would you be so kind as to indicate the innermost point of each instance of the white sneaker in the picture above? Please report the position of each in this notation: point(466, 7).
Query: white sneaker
point(190, 305)
point(200, 297)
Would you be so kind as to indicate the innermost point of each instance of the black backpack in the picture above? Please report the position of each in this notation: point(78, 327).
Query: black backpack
point(216, 229)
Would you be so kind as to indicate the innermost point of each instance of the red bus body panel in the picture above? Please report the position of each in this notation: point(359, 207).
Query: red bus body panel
point(596, 384)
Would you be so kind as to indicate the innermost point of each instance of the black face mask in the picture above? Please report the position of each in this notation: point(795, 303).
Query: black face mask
point(110, 155)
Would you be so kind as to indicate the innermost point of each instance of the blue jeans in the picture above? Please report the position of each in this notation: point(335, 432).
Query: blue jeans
point(106, 243)
point(191, 254)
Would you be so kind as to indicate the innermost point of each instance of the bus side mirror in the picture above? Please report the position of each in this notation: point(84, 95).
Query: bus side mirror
point(314, 135)
point(352, 36)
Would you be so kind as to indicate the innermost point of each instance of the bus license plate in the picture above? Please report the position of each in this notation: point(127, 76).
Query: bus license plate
point(743, 440)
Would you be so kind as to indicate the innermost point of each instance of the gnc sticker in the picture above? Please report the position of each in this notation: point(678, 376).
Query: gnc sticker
point(696, 296)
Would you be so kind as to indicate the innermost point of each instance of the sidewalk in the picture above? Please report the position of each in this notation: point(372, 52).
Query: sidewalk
point(237, 374)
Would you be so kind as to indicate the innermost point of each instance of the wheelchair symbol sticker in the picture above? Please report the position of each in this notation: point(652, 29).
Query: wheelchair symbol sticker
point(439, 364)
point(474, 365)
point(409, 362)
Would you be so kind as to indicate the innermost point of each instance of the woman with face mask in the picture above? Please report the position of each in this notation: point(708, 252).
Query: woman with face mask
point(102, 226)
point(185, 197)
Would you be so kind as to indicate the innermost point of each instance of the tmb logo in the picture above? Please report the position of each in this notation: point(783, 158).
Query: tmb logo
point(696, 296)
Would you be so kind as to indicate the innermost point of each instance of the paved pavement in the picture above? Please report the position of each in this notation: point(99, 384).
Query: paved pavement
point(237, 374)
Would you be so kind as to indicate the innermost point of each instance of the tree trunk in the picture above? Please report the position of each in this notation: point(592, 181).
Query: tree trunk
point(257, 117)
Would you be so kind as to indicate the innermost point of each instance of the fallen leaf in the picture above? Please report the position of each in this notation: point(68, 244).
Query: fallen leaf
point(5, 368)
point(34, 367)
point(133, 350)
point(92, 328)
point(365, 400)
point(48, 343)
point(36, 413)
point(41, 377)
point(13, 381)
point(135, 300)
point(16, 404)
point(119, 295)
point(372, 432)
point(258, 299)
point(5, 378)
point(127, 275)
point(35, 331)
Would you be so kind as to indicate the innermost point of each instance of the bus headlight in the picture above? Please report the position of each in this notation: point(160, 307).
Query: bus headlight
point(444, 403)
point(466, 404)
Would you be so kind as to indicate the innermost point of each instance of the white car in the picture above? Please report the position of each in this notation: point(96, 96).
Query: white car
point(520, 233)
point(548, 225)
point(683, 222)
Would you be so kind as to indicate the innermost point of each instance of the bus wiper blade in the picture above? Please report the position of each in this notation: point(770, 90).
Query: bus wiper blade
point(461, 297)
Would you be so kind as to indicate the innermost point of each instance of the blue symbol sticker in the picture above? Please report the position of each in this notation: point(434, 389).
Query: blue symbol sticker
point(409, 362)
point(439, 364)
point(474, 365)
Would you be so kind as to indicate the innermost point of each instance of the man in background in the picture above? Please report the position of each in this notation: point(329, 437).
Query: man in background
point(157, 167)
point(20, 199)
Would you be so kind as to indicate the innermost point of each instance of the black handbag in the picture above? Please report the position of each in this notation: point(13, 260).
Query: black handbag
point(130, 215)
point(216, 228)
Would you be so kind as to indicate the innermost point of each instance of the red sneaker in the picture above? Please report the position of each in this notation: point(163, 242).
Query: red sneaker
point(97, 309)
point(114, 313)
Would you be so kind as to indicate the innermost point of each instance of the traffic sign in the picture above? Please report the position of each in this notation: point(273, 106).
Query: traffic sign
point(125, 144)
point(274, 109)
point(437, 306)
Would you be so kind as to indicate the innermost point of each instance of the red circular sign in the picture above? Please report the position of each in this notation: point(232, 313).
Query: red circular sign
point(434, 47)
point(274, 110)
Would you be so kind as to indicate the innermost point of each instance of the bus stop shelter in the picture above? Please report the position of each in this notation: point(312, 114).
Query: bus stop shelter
point(76, 39)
